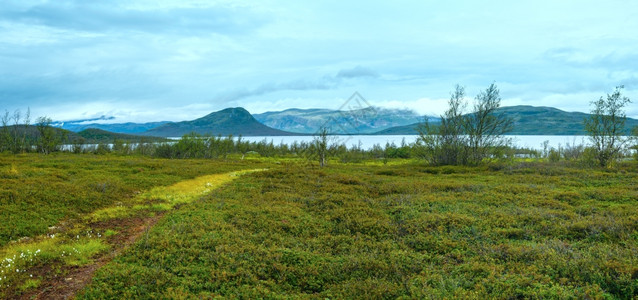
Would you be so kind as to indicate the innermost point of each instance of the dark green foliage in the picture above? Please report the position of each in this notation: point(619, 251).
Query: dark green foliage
point(466, 139)
point(446, 143)
point(485, 126)
point(606, 127)
point(355, 231)
point(39, 191)
point(320, 146)
point(22, 137)
point(102, 149)
point(393, 151)
point(205, 146)
point(48, 141)
point(95, 136)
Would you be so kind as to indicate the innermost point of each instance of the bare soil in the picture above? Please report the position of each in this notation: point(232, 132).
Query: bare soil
point(65, 283)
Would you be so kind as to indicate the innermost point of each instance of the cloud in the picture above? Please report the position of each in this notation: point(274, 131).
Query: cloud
point(423, 106)
point(617, 59)
point(324, 83)
point(76, 86)
point(175, 59)
point(357, 72)
point(115, 17)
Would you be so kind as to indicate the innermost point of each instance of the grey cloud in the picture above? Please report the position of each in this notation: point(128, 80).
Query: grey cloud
point(357, 72)
point(325, 83)
point(630, 83)
point(99, 17)
point(616, 61)
point(560, 54)
point(68, 87)
point(580, 58)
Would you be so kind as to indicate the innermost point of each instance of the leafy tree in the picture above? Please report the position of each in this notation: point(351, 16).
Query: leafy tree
point(6, 142)
point(320, 144)
point(445, 144)
point(78, 145)
point(606, 126)
point(191, 145)
point(49, 140)
point(485, 127)
point(466, 139)
point(144, 147)
point(17, 146)
point(242, 147)
point(26, 144)
point(227, 146)
point(102, 149)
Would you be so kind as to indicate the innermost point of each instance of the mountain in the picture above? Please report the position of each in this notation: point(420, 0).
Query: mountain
point(410, 129)
point(94, 136)
point(356, 121)
point(529, 120)
point(235, 121)
point(127, 128)
point(89, 136)
point(31, 133)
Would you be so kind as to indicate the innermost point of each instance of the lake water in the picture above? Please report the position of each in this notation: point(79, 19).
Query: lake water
point(368, 141)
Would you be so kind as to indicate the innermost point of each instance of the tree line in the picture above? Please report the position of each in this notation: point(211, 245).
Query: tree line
point(477, 136)
point(18, 135)
point(462, 137)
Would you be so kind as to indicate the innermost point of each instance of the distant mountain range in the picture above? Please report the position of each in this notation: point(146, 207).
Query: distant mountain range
point(528, 120)
point(129, 128)
point(238, 121)
point(89, 136)
point(235, 121)
point(357, 121)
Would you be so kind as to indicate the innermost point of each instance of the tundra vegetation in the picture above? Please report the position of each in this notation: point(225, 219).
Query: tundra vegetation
point(207, 217)
point(606, 127)
point(531, 228)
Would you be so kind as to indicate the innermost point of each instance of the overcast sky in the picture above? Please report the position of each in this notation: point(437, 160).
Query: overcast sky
point(175, 60)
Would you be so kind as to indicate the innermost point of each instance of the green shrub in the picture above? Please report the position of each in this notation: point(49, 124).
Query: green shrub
point(534, 230)
point(554, 155)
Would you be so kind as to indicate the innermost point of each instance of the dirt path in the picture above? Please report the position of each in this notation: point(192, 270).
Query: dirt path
point(66, 286)
point(130, 229)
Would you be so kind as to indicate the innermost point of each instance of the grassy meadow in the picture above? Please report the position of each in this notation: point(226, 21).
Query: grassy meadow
point(285, 228)
point(59, 211)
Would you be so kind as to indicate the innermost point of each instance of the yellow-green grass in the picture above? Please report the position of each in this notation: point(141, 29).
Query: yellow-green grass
point(41, 191)
point(77, 251)
point(395, 231)
point(63, 236)
point(18, 262)
point(164, 198)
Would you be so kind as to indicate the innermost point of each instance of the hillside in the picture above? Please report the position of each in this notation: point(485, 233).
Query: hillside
point(360, 121)
point(32, 133)
point(235, 121)
point(127, 128)
point(94, 136)
point(89, 136)
point(530, 120)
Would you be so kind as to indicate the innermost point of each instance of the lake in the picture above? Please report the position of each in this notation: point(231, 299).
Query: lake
point(367, 141)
